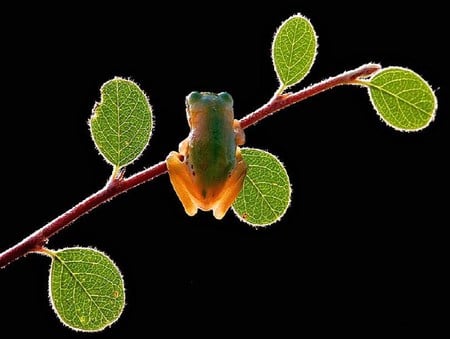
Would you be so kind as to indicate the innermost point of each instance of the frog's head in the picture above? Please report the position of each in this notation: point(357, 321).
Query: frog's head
point(200, 103)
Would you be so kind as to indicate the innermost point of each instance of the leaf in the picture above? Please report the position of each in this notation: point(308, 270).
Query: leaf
point(294, 49)
point(266, 193)
point(402, 98)
point(121, 123)
point(86, 289)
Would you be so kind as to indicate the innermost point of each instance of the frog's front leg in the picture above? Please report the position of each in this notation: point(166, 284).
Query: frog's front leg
point(181, 180)
point(232, 187)
point(239, 132)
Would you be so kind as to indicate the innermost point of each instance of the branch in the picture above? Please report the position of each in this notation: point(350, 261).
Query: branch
point(114, 187)
point(282, 101)
point(35, 241)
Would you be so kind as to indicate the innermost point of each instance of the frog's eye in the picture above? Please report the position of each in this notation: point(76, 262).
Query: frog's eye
point(193, 97)
point(226, 97)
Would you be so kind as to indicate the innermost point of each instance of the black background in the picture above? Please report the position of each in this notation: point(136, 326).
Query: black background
point(363, 240)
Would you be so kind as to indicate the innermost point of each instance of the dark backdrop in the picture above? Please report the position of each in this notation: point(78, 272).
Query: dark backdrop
point(363, 239)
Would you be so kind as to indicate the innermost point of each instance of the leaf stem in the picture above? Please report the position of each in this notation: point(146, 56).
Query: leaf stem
point(115, 173)
point(36, 241)
point(280, 90)
point(47, 252)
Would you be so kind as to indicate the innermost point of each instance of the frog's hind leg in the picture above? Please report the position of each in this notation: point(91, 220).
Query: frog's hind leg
point(180, 177)
point(232, 187)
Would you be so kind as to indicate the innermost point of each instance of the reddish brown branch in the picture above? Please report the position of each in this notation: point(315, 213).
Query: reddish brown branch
point(115, 187)
point(280, 102)
point(38, 239)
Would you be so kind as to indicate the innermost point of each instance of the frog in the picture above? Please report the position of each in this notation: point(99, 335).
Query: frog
point(208, 171)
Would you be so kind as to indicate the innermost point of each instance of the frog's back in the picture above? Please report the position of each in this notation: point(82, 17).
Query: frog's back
point(212, 151)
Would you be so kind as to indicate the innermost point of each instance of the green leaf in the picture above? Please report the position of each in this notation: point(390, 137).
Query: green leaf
point(121, 123)
point(402, 98)
point(294, 49)
point(266, 194)
point(86, 289)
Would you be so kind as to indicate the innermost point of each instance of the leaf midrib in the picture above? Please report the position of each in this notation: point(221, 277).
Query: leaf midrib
point(81, 285)
point(385, 91)
point(262, 195)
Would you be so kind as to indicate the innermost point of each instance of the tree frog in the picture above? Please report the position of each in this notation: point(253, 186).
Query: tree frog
point(208, 171)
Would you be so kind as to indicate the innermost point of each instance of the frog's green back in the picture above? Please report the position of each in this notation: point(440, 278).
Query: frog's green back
point(212, 153)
